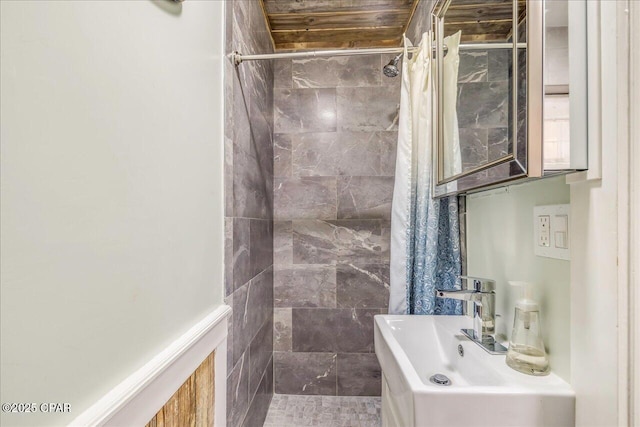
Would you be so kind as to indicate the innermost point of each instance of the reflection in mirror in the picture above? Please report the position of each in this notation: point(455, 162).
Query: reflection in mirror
point(556, 87)
point(520, 104)
point(477, 93)
point(451, 147)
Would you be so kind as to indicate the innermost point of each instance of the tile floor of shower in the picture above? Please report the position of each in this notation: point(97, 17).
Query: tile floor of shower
point(323, 411)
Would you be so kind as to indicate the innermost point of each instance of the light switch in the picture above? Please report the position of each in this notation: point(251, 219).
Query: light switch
point(551, 231)
point(561, 227)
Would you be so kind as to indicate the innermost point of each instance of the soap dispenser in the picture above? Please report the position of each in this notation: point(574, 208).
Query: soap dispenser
point(526, 352)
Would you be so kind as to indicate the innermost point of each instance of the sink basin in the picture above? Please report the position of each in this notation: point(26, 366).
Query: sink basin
point(483, 390)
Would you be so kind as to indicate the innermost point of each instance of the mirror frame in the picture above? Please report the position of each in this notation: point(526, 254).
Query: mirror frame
point(530, 165)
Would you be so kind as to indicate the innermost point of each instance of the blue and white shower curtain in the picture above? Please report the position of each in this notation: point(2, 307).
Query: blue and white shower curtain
point(425, 237)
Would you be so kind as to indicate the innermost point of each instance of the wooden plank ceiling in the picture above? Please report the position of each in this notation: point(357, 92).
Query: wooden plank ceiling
point(337, 24)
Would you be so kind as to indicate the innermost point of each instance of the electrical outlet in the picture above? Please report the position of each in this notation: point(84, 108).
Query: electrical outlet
point(543, 231)
point(551, 231)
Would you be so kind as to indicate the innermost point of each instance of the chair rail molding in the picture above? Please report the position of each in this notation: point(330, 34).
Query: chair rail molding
point(139, 397)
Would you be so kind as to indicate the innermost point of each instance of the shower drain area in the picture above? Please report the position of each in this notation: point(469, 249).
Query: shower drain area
point(440, 379)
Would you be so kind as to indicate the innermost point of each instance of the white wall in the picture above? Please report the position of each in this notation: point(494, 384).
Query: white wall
point(500, 247)
point(111, 210)
point(598, 294)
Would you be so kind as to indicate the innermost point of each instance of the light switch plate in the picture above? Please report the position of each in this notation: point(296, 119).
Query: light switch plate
point(551, 231)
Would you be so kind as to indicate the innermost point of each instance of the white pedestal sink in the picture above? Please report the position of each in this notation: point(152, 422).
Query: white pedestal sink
point(484, 391)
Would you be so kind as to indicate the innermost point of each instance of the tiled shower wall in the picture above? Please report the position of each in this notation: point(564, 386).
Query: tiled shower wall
point(483, 106)
point(335, 129)
point(248, 212)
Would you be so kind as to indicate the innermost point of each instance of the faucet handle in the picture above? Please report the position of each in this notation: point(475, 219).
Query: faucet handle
point(479, 284)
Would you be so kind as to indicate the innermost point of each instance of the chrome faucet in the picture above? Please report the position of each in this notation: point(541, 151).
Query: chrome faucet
point(482, 293)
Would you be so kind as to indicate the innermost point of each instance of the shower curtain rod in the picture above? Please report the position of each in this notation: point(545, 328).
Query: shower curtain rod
point(239, 58)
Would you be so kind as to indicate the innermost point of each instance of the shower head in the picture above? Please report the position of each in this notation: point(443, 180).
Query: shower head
point(391, 69)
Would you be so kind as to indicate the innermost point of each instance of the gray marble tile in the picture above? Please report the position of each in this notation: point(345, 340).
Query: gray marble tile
point(499, 64)
point(339, 71)
point(498, 142)
point(365, 197)
point(474, 147)
point(241, 252)
point(305, 198)
point(282, 155)
point(359, 374)
point(327, 242)
point(304, 110)
point(228, 257)
point(368, 109)
point(239, 318)
point(388, 154)
point(261, 402)
point(362, 285)
point(228, 34)
point(305, 373)
point(228, 177)
point(305, 286)
point(229, 76)
point(483, 105)
point(281, 329)
point(262, 137)
point(238, 392)
point(325, 411)
point(261, 249)
point(473, 66)
point(282, 74)
point(260, 300)
point(252, 307)
point(260, 352)
point(241, 150)
point(282, 243)
point(333, 330)
point(229, 301)
point(344, 153)
point(248, 208)
point(250, 188)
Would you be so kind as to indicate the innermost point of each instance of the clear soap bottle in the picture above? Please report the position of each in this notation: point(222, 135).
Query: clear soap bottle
point(526, 352)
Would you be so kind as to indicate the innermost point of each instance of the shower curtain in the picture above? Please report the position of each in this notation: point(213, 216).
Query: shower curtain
point(425, 237)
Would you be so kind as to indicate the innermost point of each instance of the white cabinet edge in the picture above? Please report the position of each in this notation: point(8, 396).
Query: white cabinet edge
point(137, 399)
point(599, 72)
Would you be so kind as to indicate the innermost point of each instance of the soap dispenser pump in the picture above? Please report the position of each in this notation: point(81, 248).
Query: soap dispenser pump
point(526, 352)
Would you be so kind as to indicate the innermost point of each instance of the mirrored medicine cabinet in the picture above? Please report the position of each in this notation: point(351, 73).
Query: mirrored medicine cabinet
point(511, 84)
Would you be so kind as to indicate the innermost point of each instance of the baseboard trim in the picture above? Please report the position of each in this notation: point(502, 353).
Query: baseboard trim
point(137, 399)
